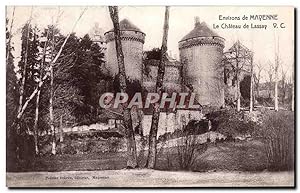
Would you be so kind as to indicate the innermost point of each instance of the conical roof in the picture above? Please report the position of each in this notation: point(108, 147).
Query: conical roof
point(126, 25)
point(200, 30)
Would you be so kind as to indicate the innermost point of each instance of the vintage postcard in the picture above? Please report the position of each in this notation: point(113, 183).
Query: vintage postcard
point(150, 96)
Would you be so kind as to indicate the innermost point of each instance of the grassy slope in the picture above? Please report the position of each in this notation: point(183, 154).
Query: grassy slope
point(241, 156)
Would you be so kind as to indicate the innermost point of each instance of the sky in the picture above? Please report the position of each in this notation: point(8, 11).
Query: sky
point(150, 20)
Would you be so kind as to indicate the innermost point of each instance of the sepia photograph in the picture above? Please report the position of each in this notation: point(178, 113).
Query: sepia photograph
point(150, 96)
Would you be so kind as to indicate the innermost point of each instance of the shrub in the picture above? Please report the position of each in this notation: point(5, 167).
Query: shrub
point(268, 102)
point(188, 150)
point(277, 133)
point(195, 127)
point(69, 149)
point(114, 145)
point(90, 145)
point(231, 123)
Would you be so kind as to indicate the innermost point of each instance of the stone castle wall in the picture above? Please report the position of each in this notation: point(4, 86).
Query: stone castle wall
point(172, 78)
point(166, 123)
point(169, 122)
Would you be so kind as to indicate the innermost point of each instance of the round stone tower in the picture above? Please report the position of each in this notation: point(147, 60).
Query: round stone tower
point(132, 39)
point(201, 53)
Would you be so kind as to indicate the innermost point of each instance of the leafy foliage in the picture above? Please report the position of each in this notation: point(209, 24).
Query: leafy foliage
point(87, 75)
point(133, 87)
point(245, 90)
point(30, 36)
point(11, 100)
point(231, 123)
point(154, 54)
point(11, 83)
point(77, 75)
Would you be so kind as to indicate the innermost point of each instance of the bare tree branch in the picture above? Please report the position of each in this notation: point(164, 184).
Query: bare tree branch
point(40, 84)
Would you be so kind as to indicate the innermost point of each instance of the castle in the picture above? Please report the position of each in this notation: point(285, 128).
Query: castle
point(199, 70)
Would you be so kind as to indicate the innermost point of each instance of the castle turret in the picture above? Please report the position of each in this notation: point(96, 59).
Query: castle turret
point(201, 53)
point(97, 35)
point(132, 39)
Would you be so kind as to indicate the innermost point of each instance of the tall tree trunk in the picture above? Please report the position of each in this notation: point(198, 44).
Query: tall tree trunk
point(38, 97)
point(257, 90)
point(293, 94)
point(159, 83)
point(61, 137)
point(276, 83)
point(35, 130)
point(51, 115)
point(284, 84)
point(276, 95)
point(238, 101)
point(131, 145)
point(276, 75)
point(251, 85)
point(238, 93)
point(22, 86)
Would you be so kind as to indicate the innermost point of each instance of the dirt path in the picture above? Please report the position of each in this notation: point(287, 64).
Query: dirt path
point(147, 178)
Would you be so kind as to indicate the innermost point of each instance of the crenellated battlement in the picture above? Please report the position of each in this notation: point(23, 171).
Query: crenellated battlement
point(126, 36)
point(200, 41)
